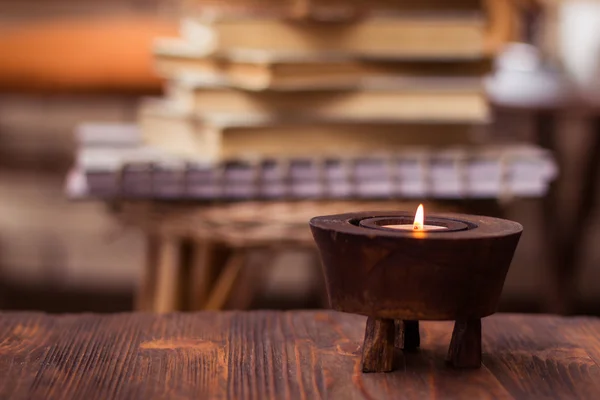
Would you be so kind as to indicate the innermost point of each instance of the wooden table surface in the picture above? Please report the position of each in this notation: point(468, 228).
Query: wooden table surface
point(299, 355)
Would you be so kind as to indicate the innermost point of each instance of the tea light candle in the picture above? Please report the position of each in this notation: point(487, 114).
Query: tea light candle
point(417, 225)
point(409, 227)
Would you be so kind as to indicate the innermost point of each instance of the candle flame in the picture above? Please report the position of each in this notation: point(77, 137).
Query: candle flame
point(419, 218)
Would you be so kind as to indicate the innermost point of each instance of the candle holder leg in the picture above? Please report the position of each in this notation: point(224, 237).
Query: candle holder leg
point(378, 347)
point(465, 346)
point(407, 335)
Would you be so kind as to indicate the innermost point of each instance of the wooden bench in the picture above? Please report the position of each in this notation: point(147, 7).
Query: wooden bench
point(196, 254)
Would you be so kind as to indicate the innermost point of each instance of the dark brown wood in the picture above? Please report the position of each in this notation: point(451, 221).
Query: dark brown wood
point(408, 337)
point(465, 345)
point(456, 275)
point(558, 297)
point(201, 274)
point(378, 346)
point(284, 355)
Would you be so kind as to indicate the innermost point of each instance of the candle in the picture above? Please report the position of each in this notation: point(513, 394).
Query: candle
point(410, 227)
point(418, 224)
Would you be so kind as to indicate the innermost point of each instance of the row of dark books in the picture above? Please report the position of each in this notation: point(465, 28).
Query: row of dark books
point(125, 168)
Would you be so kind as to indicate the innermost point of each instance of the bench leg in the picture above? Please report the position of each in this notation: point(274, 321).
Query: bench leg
point(222, 289)
point(144, 297)
point(168, 275)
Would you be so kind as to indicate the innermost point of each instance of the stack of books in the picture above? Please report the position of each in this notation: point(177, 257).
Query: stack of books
point(248, 79)
point(295, 99)
point(113, 163)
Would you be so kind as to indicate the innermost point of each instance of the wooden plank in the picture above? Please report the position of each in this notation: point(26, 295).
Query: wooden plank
point(584, 330)
point(144, 297)
point(539, 355)
point(168, 274)
point(201, 274)
point(274, 355)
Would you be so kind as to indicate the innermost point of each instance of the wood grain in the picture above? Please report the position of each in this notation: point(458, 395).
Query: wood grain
point(457, 274)
point(378, 346)
point(292, 355)
point(465, 345)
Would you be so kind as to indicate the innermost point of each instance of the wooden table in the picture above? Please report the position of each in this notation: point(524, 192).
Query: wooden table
point(299, 355)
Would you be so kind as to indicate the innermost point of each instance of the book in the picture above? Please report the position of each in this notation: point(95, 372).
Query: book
point(465, 171)
point(109, 135)
point(218, 137)
point(173, 56)
point(363, 178)
point(177, 59)
point(323, 9)
point(430, 100)
point(417, 37)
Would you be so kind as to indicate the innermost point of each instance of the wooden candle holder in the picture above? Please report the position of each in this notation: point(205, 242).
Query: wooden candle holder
point(397, 278)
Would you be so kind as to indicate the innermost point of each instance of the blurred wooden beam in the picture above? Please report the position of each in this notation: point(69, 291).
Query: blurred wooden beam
point(103, 54)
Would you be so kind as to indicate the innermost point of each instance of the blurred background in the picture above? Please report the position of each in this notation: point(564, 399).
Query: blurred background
point(164, 155)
